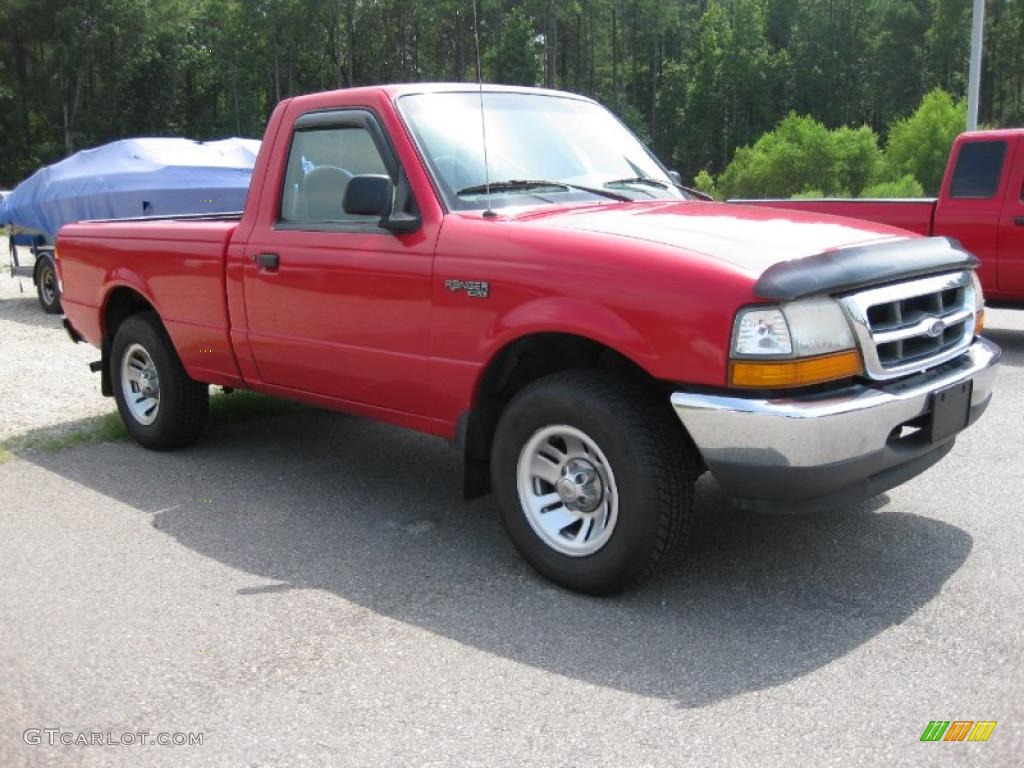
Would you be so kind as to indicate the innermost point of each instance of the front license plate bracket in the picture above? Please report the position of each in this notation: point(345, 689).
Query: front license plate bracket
point(951, 408)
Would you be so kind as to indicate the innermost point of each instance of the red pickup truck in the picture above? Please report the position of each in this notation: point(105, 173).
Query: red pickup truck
point(981, 204)
point(588, 333)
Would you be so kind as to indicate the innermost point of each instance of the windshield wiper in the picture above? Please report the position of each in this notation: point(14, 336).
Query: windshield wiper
point(696, 193)
point(516, 185)
point(638, 180)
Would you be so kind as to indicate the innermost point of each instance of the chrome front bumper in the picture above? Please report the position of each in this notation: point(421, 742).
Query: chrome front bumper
point(824, 449)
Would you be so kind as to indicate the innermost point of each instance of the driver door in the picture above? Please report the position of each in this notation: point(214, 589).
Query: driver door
point(336, 305)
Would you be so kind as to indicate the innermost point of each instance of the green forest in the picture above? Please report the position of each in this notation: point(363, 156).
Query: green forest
point(745, 97)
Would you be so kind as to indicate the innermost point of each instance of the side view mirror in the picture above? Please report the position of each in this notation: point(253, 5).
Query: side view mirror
point(373, 195)
point(674, 175)
point(368, 196)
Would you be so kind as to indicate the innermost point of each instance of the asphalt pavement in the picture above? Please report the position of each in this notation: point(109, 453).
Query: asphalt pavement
point(310, 589)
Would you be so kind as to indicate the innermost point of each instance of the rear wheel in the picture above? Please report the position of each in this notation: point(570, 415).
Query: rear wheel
point(46, 284)
point(161, 407)
point(594, 480)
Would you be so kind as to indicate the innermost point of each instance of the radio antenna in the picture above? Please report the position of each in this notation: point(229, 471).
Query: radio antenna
point(483, 123)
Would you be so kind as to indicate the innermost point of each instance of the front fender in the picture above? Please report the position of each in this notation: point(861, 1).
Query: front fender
point(577, 317)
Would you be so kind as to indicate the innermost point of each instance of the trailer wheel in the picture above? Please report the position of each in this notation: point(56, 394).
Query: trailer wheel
point(46, 284)
point(161, 407)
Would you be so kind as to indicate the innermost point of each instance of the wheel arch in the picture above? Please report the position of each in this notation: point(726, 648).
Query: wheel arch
point(121, 302)
point(520, 361)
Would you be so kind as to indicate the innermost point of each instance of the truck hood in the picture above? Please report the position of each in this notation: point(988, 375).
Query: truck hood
point(749, 238)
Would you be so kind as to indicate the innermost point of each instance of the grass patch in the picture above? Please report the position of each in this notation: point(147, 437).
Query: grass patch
point(237, 407)
point(96, 429)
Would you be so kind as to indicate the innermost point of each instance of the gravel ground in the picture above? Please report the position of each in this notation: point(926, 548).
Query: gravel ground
point(45, 382)
point(310, 589)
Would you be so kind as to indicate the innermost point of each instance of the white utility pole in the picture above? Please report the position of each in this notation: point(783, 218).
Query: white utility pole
point(974, 84)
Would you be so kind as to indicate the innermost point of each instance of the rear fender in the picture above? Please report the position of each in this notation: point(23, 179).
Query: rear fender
point(117, 279)
point(121, 277)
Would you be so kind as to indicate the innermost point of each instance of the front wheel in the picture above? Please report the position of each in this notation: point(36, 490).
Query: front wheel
point(161, 407)
point(593, 478)
point(46, 285)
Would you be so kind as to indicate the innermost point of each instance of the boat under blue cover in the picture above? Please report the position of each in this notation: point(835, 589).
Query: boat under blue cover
point(134, 177)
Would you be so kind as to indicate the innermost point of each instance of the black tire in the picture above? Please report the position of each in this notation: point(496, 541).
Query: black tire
point(183, 405)
point(650, 459)
point(46, 284)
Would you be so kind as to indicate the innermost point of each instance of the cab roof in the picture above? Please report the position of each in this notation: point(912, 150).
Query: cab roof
point(397, 90)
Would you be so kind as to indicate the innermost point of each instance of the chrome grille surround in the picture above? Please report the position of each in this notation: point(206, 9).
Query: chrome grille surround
point(907, 327)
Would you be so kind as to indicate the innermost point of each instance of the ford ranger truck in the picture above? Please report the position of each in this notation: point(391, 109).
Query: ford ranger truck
point(980, 204)
point(590, 335)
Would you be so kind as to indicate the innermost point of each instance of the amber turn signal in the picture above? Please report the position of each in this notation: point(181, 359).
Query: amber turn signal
point(795, 373)
point(979, 322)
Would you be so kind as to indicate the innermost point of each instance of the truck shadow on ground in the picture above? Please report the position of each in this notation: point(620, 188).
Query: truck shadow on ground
point(1012, 344)
point(373, 514)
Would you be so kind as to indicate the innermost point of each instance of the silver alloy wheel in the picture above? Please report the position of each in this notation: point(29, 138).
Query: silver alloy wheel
point(48, 284)
point(140, 384)
point(567, 490)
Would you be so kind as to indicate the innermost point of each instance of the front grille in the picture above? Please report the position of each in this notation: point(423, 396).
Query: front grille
point(907, 327)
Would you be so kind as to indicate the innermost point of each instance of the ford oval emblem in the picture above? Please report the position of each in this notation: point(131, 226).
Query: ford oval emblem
point(936, 328)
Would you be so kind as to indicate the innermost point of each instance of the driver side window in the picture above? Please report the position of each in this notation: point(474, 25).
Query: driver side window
point(321, 162)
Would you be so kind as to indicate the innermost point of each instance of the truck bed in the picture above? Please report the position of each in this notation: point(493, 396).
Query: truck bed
point(912, 214)
point(176, 263)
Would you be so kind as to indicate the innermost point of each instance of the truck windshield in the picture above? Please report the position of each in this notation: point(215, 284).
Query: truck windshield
point(540, 149)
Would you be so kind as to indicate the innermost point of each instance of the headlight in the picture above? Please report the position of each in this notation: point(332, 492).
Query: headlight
point(979, 305)
point(795, 344)
point(760, 332)
point(798, 329)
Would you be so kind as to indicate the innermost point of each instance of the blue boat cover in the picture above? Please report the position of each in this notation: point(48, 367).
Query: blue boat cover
point(134, 177)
